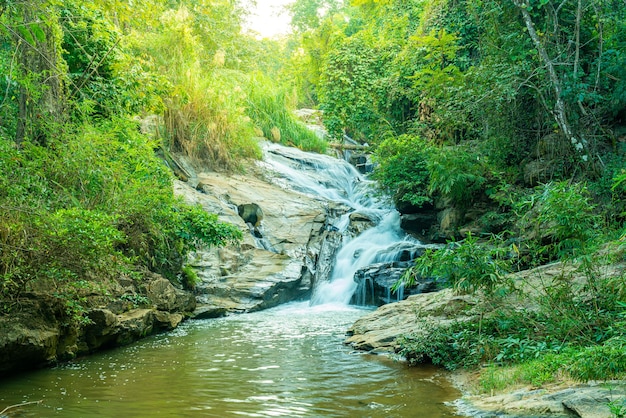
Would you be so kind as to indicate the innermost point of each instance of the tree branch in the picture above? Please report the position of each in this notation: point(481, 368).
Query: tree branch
point(19, 405)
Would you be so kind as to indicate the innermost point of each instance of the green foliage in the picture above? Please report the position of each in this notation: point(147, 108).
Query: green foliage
point(453, 347)
point(136, 300)
point(268, 107)
point(402, 171)
point(307, 15)
point(189, 278)
point(559, 220)
point(413, 172)
point(96, 205)
point(617, 408)
point(469, 266)
point(347, 92)
point(600, 362)
point(573, 327)
point(547, 368)
point(206, 124)
point(456, 175)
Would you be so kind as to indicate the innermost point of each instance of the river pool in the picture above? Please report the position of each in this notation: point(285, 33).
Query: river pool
point(283, 362)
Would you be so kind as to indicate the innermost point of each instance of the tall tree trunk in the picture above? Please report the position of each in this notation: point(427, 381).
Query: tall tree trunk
point(43, 97)
point(560, 111)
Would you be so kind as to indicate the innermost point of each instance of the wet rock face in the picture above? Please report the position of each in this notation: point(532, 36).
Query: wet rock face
point(375, 283)
point(288, 245)
point(36, 335)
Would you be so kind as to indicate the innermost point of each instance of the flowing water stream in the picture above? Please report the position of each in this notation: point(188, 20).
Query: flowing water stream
point(337, 181)
point(284, 362)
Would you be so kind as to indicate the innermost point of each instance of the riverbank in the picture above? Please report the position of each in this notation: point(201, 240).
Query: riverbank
point(490, 390)
point(563, 399)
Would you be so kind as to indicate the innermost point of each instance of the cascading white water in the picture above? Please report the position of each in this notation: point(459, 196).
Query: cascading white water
point(336, 180)
point(370, 247)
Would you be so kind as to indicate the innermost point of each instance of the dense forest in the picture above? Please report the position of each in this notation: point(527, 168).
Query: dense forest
point(508, 119)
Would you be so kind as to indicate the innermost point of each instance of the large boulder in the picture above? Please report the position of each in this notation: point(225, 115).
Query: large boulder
point(375, 284)
point(289, 243)
point(167, 298)
point(39, 332)
point(379, 331)
point(27, 342)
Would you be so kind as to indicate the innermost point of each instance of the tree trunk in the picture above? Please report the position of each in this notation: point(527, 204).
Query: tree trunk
point(559, 112)
point(42, 99)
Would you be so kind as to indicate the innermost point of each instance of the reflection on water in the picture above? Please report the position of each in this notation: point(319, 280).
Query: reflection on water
point(284, 362)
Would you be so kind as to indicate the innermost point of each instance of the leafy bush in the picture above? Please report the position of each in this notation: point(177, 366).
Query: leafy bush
point(456, 175)
point(347, 90)
point(452, 347)
point(414, 172)
point(467, 265)
point(402, 171)
point(559, 221)
point(94, 206)
point(205, 108)
point(600, 362)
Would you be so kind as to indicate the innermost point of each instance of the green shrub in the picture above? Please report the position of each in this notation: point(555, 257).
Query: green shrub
point(600, 362)
point(468, 266)
point(456, 174)
point(452, 347)
point(559, 221)
point(189, 278)
point(402, 171)
point(95, 205)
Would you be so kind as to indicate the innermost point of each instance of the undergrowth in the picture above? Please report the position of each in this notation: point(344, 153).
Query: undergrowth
point(532, 328)
point(95, 205)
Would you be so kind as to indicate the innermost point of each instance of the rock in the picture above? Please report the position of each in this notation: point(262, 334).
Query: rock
point(583, 401)
point(107, 329)
point(26, 343)
point(359, 223)
point(209, 312)
point(362, 162)
point(449, 221)
point(375, 282)
point(251, 213)
point(166, 321)
point(538, 172)
point(38, 334)
point(167, 298)
point(133, 325)
point(279, 260)
point(419, 224)
point(101, 331)
point(380, 329)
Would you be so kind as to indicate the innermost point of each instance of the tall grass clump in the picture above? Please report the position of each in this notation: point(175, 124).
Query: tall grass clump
point(269, 108)
point(207, 121)
point(205, 109)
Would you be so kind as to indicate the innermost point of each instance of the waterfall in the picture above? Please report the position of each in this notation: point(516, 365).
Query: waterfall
point(335, 180)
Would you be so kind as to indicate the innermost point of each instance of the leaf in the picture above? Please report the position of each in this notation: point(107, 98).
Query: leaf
point(38, 32)
point(26, 35)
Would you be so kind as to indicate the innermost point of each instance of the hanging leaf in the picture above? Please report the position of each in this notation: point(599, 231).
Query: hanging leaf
point(39, 33)
point(26, 35)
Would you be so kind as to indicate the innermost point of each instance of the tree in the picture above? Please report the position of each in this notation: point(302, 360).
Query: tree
point(35, 30)
point(559, 111)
